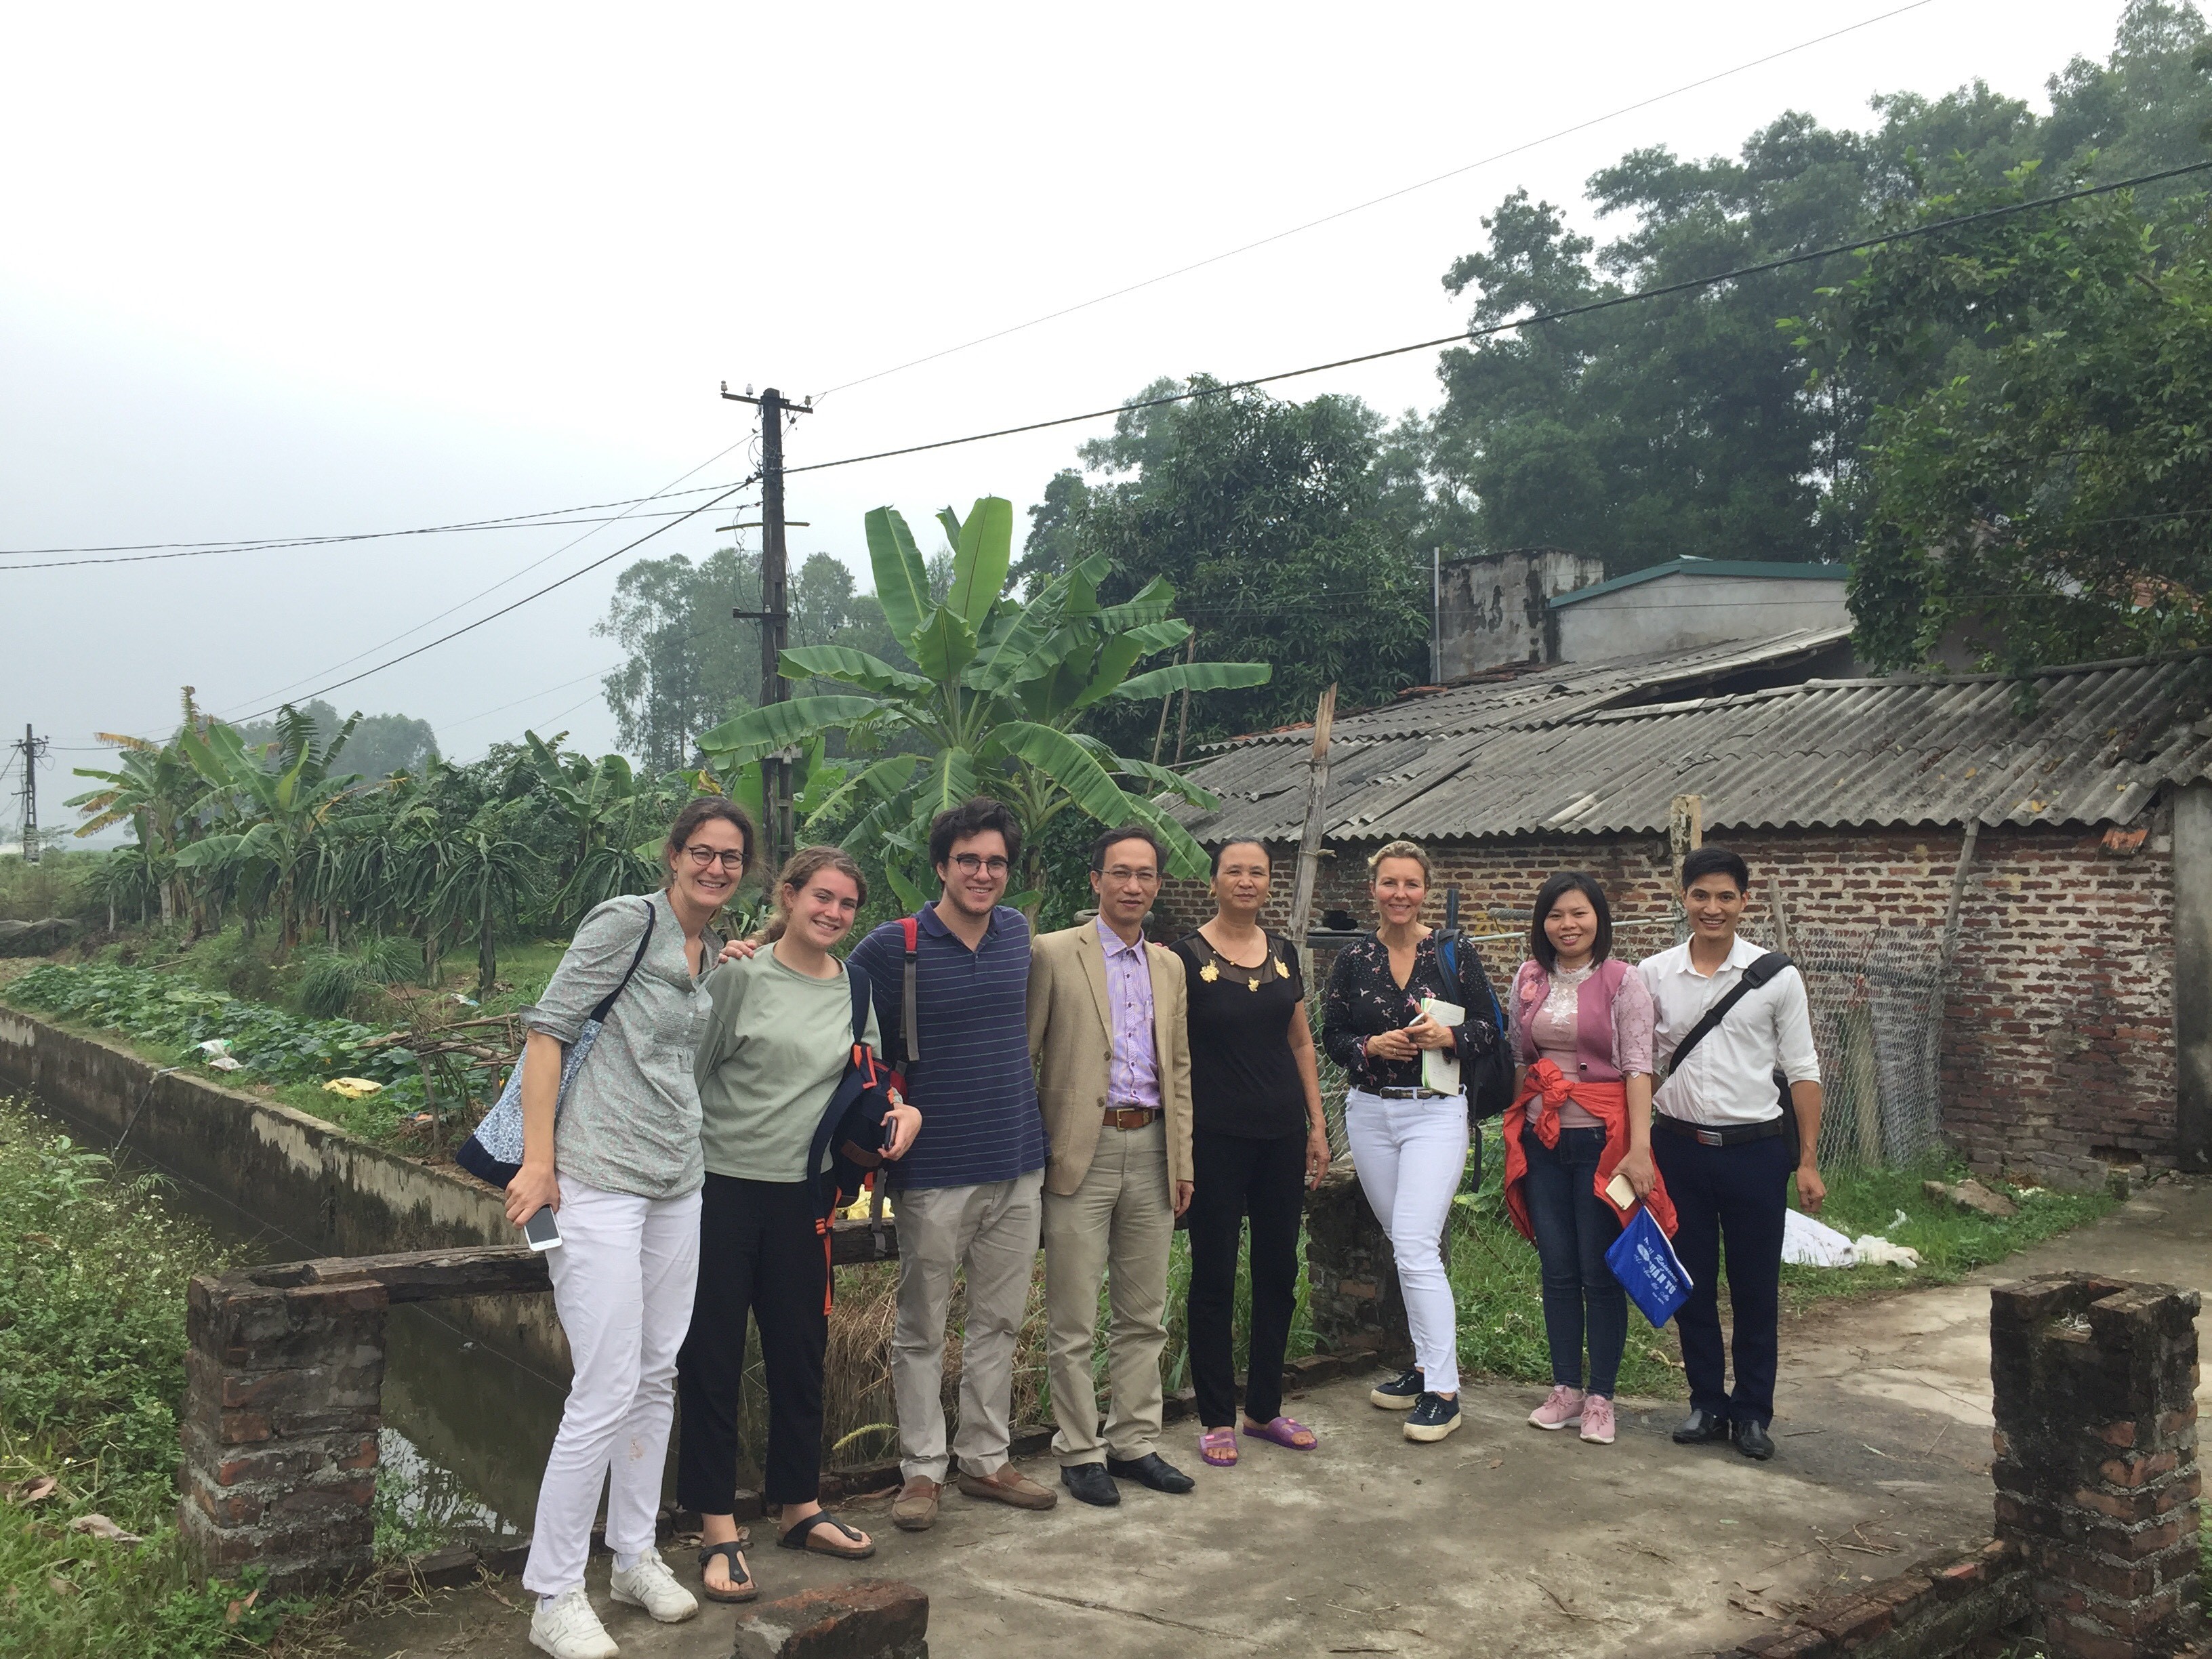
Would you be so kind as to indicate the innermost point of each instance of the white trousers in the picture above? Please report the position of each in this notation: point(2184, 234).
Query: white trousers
point(622, 1284)
point(1409, 1155)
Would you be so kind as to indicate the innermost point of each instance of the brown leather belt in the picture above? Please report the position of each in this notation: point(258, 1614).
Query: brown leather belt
point(1130, 1117)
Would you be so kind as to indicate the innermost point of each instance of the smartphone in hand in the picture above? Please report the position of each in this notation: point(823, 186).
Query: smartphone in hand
point(542, 1230)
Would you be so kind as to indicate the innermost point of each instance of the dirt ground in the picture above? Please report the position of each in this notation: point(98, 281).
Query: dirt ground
point(1498, 1541)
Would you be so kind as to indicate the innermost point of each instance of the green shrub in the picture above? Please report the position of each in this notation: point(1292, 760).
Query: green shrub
point(332, 982)
point(92, 1273)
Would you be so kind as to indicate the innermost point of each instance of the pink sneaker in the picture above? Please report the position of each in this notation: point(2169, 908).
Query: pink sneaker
point(1597, 1420)
point(1562, 1408)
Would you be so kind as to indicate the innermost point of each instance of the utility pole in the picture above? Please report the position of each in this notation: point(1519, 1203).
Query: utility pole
point(775, 616)
point(30, 748)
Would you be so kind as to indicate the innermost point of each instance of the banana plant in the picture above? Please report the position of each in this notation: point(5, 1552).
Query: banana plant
point(1003, 688)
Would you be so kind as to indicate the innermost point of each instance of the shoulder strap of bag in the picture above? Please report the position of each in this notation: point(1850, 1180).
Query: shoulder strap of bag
point(861, 991)
point(606, 1004)
point(1448, 952)
point(1755, 975)
point(910, 1018)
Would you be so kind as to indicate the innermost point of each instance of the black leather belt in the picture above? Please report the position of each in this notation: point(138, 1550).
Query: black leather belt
point(1732, 1134)
point(1411, 1094)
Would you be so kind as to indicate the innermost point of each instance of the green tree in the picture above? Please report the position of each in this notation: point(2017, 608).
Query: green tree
point(380, 745)
point(2047, 497)
point(1271, 523)
point(486, 880)
point(1000, 688)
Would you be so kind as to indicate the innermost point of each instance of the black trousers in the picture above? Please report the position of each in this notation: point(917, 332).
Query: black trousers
point(1235, 1176)
point(1737, 1194)
point(758, 1254)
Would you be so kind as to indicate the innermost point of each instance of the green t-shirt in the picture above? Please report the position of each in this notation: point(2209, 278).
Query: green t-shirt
point(776, 1044)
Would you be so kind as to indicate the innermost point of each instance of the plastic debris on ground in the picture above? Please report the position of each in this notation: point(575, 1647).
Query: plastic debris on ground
point(857, 1209)
point(1875, 1251)
point(225, 1063)
point(216, 1046)
point(353, 1088)
point(1813, 1243)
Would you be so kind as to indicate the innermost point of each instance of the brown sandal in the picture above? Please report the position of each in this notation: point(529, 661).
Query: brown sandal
point(742, 1587)
point(801, 1537)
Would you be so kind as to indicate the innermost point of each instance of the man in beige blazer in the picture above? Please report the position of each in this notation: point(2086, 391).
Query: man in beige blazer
point(1110, 1038)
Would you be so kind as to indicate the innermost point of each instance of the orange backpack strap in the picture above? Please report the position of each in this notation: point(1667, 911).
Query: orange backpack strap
point(909, 1034)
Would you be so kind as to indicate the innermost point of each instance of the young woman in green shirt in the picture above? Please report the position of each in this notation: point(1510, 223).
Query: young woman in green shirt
point(775, 1047)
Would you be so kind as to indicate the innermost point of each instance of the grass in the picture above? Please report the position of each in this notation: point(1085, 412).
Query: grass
point(92, 1343)
point(1501, 1317)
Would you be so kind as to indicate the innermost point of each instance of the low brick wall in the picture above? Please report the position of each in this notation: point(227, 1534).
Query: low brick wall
point(294, 1174)
point(2096, 1470)
point(1941, 1606)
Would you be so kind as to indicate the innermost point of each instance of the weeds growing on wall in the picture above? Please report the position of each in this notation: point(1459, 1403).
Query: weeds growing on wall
point(92, 1346)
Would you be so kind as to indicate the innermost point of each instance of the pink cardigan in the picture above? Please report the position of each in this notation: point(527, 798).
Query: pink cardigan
point(1613, 1001)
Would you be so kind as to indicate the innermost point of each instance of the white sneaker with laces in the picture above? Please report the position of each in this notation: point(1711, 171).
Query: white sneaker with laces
point(567, 1628)
point(650, 1585)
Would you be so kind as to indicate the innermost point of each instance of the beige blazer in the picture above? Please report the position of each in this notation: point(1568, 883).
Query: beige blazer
point(1071, 1046)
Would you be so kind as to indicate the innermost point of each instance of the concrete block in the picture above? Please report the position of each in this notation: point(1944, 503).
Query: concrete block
point(871, 1619)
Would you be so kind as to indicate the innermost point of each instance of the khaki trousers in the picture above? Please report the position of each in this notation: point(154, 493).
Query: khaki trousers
point(991, 1231)
point(1117, 1224)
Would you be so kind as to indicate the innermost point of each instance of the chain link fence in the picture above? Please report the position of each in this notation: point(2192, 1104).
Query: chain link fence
point(1876, 999)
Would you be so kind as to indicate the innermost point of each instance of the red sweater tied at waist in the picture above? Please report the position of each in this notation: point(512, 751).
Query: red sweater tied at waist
point(1543, 1091)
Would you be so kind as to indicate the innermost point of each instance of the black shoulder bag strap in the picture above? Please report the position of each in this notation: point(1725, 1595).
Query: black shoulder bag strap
point(606, 1004)
point(1755, 975)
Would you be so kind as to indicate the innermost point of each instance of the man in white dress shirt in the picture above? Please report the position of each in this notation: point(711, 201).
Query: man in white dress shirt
point(1723, 1142)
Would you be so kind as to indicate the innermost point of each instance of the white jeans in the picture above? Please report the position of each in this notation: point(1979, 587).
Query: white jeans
point(622, 1283)
point(1409, 1155)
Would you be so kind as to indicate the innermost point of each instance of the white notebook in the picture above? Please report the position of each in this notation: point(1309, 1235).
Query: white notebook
point(1440, 1067)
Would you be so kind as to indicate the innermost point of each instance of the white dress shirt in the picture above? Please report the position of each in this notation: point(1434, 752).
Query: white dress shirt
point(1729, 1077)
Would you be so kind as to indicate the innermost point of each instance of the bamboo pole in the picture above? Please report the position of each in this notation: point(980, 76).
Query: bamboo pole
point(1309, 834)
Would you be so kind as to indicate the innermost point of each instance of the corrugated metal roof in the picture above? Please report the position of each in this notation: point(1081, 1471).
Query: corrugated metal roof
point(2101, 740)
point(1752, 570)
point(1557, 690)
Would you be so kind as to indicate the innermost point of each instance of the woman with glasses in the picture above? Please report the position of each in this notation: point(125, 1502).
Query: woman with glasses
point(617, 1159)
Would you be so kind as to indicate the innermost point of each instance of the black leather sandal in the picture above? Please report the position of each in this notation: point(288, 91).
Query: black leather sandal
point(801, 1537)
point(742, 1587)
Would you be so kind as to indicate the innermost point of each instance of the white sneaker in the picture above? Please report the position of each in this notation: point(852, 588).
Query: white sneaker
point(568, 1629)
point(650, 1585)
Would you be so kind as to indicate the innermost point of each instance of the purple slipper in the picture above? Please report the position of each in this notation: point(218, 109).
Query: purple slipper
point(1282, 1431)
point(1219, 1448)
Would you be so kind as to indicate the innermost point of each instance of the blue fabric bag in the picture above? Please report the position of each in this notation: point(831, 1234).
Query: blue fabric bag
point(494, 1152)
point(1648, 1268)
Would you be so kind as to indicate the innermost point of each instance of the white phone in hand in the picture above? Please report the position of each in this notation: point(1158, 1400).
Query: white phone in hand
point(541, 1229)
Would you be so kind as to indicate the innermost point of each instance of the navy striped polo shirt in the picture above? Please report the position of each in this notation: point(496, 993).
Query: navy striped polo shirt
point(973, 1085)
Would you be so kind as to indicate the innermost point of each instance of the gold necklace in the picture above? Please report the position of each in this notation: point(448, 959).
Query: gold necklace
point(1211, 970)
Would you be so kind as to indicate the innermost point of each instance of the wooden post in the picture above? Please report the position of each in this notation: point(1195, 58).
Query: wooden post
point(1686, 833)
point(1309, 874)
point(1781, 911)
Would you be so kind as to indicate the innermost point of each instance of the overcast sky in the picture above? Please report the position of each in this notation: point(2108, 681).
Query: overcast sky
point(285, 270)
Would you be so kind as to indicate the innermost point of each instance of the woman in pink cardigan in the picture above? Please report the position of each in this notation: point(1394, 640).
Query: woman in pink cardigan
point(1581, 1026)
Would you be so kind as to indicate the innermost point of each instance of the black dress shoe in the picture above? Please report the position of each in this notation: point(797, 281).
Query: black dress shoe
point(1152, 1470)
point(1089, 1483)
point(1751, 1439)
point(1700, 1427)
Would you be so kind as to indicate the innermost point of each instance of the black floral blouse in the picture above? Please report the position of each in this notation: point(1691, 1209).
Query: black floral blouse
point(1363, 1000)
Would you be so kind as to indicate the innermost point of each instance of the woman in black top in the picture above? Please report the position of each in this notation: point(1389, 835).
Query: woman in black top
point(1258, 1140)
point(1409, 1131)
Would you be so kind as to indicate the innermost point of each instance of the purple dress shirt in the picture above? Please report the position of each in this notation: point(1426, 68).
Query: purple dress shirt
point(1134, 1078)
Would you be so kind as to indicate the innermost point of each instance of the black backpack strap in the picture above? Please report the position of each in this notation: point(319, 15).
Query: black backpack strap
point(1754, 976)
point(909, 997)
point(858, 981)
point(606, 1004)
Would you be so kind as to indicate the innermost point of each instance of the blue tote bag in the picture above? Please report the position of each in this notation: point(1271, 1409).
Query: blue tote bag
point(1648, 1268)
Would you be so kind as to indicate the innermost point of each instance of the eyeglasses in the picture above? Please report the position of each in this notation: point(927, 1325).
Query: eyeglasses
point(970, 863)
point(1124, 874)
point(733, 860)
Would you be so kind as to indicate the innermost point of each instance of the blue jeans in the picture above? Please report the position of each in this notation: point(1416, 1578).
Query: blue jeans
point(1573, 1227)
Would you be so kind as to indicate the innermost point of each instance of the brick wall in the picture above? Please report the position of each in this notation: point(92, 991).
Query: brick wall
point(2057, 1051)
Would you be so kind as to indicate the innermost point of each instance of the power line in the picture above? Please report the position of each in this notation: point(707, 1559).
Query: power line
point(1634, 297)
point(469, 628)
point(521, 520)
point(1392, 196)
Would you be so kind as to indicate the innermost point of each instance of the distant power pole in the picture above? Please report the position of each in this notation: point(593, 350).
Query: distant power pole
point(30, 748)
point(777, 831)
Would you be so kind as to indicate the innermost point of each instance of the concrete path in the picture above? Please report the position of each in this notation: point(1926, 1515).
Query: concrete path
point(1500, 1541)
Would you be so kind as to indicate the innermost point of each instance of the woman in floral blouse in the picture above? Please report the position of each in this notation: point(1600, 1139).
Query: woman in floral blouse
point(1408, 1140)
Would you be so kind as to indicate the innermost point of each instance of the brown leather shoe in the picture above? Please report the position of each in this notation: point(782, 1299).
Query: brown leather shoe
point(914, 1510)
point(1009, 1486)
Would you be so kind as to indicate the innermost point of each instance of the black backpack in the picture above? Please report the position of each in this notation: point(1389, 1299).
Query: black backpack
point(851, 1130)
point(1489, 1075)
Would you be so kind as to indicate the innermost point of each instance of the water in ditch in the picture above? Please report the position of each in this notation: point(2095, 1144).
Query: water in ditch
point(466, 1429)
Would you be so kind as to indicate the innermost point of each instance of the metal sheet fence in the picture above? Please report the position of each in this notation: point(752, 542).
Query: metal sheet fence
point(1877, 1000)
